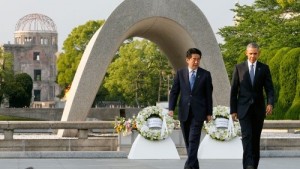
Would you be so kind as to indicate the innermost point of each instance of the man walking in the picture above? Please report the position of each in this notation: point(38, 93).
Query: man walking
point(194, 85)
point(247, 102)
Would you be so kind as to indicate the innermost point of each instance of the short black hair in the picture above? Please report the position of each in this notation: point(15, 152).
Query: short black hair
point(193, 51)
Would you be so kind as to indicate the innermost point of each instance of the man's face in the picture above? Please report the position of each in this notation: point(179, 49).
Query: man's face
point(252, 54)
point(194, 61)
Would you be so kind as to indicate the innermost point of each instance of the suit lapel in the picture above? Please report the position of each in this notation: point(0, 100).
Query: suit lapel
point(197, 77)
point(197, 80)
point(248, 72)
point(257, 72)
point(186, 77)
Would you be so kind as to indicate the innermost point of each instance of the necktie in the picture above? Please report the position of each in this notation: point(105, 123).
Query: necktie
point(252, 73)
point(192, 79)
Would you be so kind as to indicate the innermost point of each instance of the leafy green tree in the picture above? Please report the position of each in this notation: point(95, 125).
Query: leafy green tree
point(6, 72)
point(266, 55)
point(20, 91)
point(69, 60)
point(266, 23)
point(274, 25)
point(274, 65)
point(103, 94)
point(74, 47)
point(286, 3)
point(136, 74)
point(288, 99)
point(293, 112)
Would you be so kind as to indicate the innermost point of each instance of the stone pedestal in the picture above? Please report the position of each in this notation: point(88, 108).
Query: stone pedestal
point(213, 149)
point(146, 149)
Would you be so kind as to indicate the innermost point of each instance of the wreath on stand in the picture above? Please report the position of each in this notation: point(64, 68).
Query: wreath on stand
point(222, 127)
point(154, 124)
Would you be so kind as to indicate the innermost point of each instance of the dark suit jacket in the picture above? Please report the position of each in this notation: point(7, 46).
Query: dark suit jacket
point(243, 94)
point(199, 100)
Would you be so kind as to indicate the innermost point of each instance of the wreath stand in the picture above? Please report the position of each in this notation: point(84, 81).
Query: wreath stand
point(146, 149)
point(214, 149)
point(159, 149)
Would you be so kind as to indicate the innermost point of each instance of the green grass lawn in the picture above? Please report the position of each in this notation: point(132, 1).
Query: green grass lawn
point(12, 118)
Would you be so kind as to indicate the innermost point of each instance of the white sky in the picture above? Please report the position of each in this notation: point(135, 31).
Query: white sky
point(67, 14)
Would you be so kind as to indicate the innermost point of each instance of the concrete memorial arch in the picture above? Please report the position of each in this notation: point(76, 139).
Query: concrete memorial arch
point(174, 26)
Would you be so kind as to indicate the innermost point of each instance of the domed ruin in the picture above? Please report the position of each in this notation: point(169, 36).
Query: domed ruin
point(34, 53)
point(36, 22)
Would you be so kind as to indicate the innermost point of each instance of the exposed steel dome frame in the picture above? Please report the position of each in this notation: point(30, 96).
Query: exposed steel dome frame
point(36, 22)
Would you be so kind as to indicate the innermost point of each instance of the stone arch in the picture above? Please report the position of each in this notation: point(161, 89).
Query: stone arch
point(174, 26)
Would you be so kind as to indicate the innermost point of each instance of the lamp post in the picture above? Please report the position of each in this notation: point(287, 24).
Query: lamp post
point(167, 77)
point(138, 86)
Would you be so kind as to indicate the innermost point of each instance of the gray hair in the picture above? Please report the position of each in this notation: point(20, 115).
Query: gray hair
point(252, 45)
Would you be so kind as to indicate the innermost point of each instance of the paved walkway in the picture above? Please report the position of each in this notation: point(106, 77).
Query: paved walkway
point(113, 163)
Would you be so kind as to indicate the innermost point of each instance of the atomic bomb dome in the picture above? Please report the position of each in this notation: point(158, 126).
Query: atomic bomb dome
point(34, 53)
point(36, 29)
point(36, 22)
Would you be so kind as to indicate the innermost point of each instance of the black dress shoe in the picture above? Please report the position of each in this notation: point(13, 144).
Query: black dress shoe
point(249, 167)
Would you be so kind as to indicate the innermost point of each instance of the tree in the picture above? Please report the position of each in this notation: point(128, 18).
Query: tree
point(286, 3)
point(288, 95)
point(135, 75)
point(274, 25)
point(266, 23)
point(6, 72)
point(293, 112)
point(274, 65)
point(20, 91)
point(74, 47)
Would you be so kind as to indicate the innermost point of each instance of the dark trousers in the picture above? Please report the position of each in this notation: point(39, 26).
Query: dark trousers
point(251, 126)
point(191, 130)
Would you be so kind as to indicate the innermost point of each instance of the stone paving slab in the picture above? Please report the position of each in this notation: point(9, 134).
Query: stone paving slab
point(62, 154)
point(266, 163)
point(114, 154)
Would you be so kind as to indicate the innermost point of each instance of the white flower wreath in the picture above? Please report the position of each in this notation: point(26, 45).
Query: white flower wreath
point(218, 133)
point(154, 133)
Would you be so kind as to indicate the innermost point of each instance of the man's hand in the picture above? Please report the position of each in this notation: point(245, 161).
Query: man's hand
point(208, 118)
point(171, 113)
point(269, 109)
point(234, 116)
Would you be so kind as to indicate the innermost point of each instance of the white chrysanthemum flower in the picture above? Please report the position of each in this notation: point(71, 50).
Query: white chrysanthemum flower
point(149, 133)
point(221, 134)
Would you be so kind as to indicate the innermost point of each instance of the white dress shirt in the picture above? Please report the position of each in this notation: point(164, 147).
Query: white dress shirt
point(249, 65)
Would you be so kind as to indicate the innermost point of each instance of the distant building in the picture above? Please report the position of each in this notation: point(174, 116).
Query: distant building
point(34, 50)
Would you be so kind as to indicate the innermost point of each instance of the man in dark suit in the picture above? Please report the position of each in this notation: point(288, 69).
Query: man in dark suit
point(194, 85)
point(247, 102)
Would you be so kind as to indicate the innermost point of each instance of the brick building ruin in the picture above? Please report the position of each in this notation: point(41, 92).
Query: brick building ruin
point(35, 52)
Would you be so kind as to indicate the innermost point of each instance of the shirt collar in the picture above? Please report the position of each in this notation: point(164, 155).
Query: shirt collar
point(190, 70)
point(249, 64)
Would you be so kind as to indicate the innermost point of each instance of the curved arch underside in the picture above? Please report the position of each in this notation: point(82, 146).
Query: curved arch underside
point(175, 26)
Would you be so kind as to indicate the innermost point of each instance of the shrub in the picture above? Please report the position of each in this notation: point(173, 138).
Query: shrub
point(20, 91)
point(288, 79)
point(294, 110)
point(274, 65)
